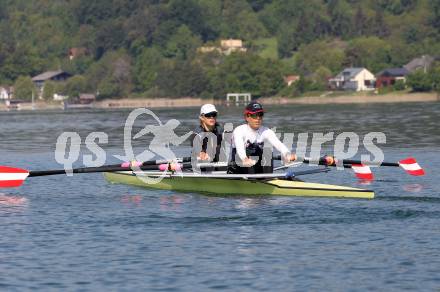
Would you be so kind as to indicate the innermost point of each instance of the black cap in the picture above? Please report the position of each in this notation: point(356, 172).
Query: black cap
point(253, 107)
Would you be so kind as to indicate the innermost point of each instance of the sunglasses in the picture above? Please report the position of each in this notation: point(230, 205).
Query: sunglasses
point(210, 115)
point(256, 115)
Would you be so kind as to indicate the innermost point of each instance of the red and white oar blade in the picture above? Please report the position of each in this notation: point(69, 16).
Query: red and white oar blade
point(411, 166)
point(362, 172)
point(11, 177)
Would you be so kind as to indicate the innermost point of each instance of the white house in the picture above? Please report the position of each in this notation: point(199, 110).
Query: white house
point(59, 97)
point(357, 79)
point(226, 47)
point(6, 92)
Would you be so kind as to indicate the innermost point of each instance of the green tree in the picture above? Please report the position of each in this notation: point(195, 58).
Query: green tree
point(360, 22)
point(258, 5)
point(320, 77)
point(301, 86)
point(146, 68)
point(419, 81)
point(75, 86)
point(108, 89)
point(182, 78)
point(183, 44)
point(286, 41)
point(49, 90)
point(141, 27)
point(24, 88)
point(187, 13)
point(111, 76)
point(22, 61)
point(339, 12)
point(320, 53)
point(399, 85)
point(369, 52)
point(434, 6)
point(109, 36)
point(435, 79)
point(247, 73)
point(211, 13)
point(380, 27)
point(239, 21)
point(91, 12)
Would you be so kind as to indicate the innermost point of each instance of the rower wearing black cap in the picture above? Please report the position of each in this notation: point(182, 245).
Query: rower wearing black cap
point(248, 143)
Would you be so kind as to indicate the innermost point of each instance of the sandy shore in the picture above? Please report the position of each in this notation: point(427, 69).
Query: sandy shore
point(388, 98)
point(153, 102)
point(40, 105)
point(349, 99)
point(195, 102)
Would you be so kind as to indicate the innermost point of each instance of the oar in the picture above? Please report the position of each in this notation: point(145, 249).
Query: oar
point(410, 165)
point(14, 177)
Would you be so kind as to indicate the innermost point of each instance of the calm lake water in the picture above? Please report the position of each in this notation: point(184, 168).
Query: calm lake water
point(81, 233)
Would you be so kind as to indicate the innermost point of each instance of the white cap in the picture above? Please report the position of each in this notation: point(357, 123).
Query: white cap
point(207, 108)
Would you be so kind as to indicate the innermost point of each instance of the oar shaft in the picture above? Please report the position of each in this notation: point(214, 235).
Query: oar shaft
point(88, 170)
point(348, 161)
point(344, 162)
point(147, 165)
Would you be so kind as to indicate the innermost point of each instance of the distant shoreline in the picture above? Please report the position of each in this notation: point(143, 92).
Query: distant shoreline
point(355, 99)
point(195, 102)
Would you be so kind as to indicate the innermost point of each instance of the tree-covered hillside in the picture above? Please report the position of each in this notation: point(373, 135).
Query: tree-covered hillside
point(150, 47)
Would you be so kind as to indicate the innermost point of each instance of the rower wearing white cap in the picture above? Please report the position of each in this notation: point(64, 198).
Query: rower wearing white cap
point(208, 124)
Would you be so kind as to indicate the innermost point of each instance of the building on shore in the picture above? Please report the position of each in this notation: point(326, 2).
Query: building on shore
point(39, 80)
point(423, 62)
point(290, 79)
point(6, 92)
point(390, 76)
point(354, 79)
point(226, 47)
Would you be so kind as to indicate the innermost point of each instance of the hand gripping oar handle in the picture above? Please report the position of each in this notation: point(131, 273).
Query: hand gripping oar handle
point(158, 162)
point(321, 161)
point(146, 165)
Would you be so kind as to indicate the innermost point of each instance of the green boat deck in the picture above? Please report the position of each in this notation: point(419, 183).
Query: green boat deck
point(276, 187)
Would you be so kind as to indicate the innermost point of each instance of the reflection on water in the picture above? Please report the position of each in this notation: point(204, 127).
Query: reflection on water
point(171, 202)
point(413, 188)
point(131, 199)
point(249, 203)
point(11, 205)
point(6, 200)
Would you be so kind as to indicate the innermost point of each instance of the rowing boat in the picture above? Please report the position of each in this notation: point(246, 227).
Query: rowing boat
point(220, 183)
point(239, 184)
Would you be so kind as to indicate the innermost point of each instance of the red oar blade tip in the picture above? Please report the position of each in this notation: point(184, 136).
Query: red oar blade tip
point(362, 172)
point(411, 166)
point(11, 177)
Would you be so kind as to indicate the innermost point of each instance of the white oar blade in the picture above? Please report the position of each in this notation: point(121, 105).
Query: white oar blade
point(411, 166)
point(11, 177)
point(362, 172)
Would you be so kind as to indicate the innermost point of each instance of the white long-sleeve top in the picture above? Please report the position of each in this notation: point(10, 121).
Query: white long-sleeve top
point(244, 133)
